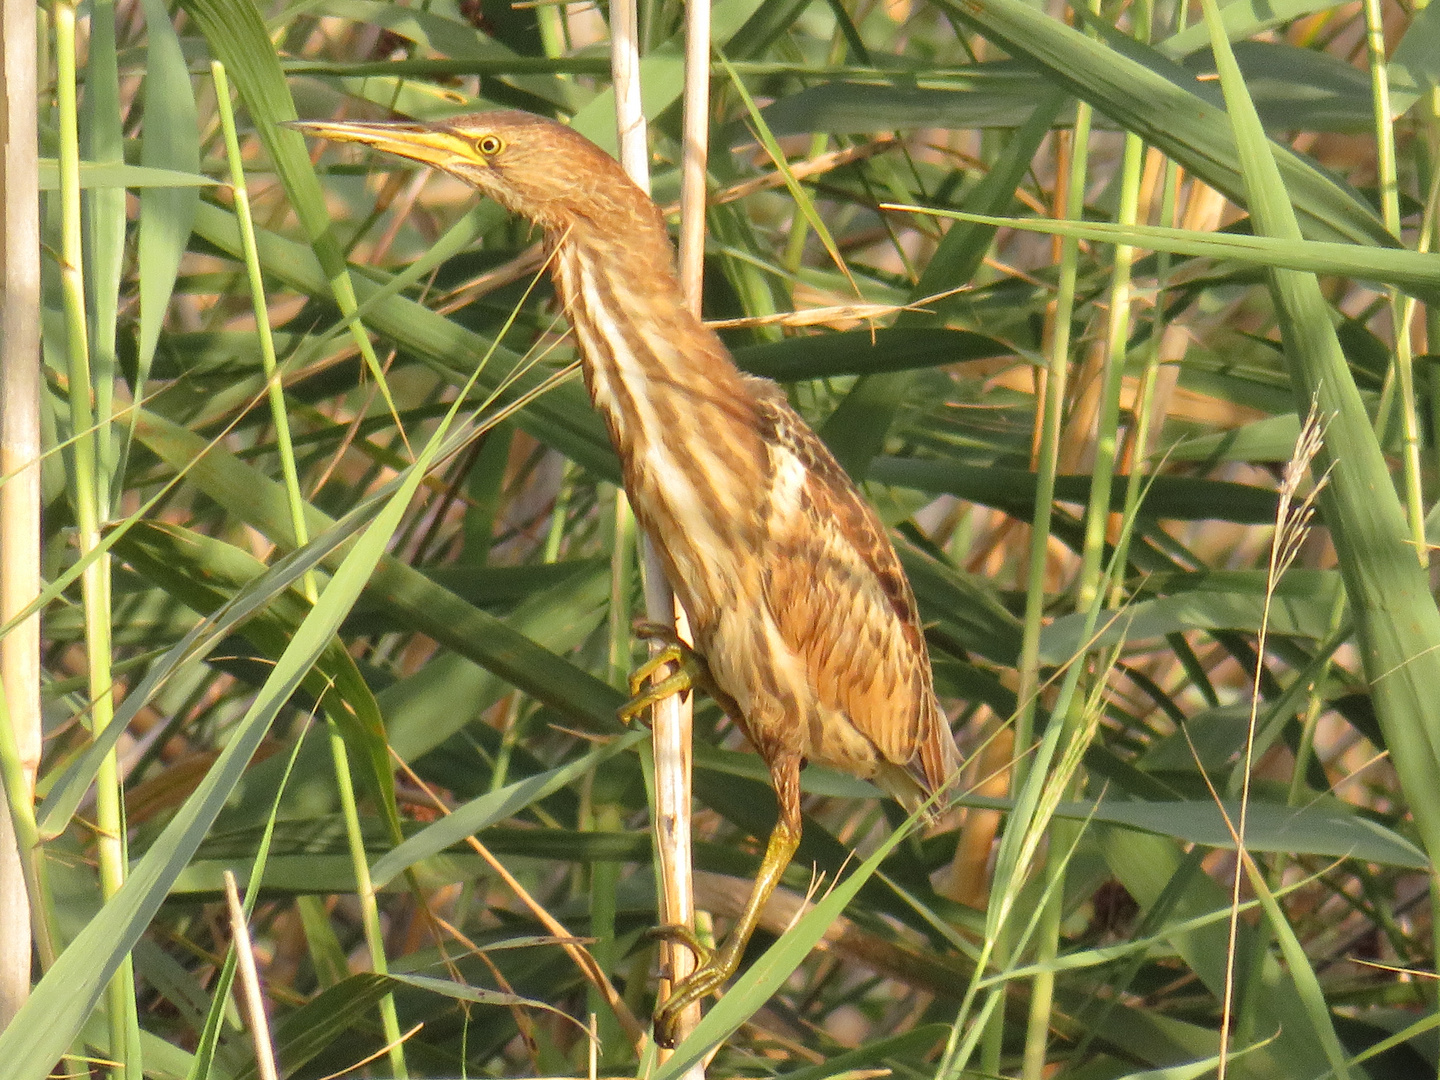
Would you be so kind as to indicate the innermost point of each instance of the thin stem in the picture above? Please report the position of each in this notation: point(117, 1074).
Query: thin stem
point(365, 891)
point(564, 491)
point(1292, 520)
point(695, 152)
point(671, 719)
point(1069, 204)
point(1145, 395)
point(20, 815)
point(274, 388)
point(1117, 336)
point(1091, 578)
point(1401, 310)
point(250, 982)
point(621, 582)
point(24, 904)
point(1052, 402)
point(295, 501)
point(89, 493)
point(606, 808)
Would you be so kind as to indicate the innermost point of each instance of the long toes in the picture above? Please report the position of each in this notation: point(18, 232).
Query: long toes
point(705, 980)
point(643, 628)
point(629, 711)
point(682, 935)
point(671, 654)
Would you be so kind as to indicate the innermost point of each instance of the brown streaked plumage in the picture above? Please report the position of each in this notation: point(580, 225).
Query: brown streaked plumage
point(798, 604)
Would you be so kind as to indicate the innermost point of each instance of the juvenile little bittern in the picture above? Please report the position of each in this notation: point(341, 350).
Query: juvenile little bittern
point(806, 625)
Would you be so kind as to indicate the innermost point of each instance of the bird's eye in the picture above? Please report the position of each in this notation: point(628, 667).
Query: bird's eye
point(489, 145)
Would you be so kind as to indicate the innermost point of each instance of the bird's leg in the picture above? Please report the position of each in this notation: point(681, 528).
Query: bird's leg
point(715, 969)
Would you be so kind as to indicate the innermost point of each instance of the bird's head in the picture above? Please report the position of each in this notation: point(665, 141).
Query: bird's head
point(540, 169)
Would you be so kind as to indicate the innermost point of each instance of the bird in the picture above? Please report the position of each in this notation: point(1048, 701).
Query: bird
point(805, 630)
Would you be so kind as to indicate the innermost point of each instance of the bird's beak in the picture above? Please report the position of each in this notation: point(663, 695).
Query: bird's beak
point(419, 142)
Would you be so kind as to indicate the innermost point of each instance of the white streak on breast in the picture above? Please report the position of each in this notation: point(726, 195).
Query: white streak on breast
point(622, 385)
point(787, 485)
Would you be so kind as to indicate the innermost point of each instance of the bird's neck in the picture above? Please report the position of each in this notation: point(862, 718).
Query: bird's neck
point(649, 362)
point(682, 418)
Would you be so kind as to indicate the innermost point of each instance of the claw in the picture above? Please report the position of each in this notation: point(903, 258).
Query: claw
point(690, 671)
point(709, 978)
point(642, 697)
point(671, 654)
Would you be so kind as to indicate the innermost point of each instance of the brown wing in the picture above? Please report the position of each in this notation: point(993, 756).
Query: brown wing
point(840, 600)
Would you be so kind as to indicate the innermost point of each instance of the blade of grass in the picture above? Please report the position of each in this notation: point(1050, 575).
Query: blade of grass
point(169, 146)
point(370, 912)
point(562, 418)
point(220, 996)
point(169, 141)
point(1398, 626)
point(798, 194)
point(237, 37)
point(411, 596)
point(1410, 270)
point(1146, 93)
point(856, 430)
point(68, 993)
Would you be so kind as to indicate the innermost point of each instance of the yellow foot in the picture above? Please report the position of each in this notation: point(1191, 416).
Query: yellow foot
point(714, 972)
point(690, 671)
point(682, 935)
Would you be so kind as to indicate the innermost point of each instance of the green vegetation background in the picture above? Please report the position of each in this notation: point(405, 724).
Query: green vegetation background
point(374, 561)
